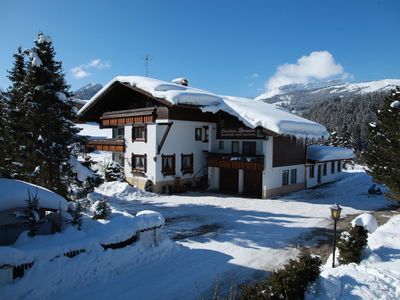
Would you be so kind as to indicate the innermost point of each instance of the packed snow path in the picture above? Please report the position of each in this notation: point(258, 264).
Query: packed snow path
point(231, 238)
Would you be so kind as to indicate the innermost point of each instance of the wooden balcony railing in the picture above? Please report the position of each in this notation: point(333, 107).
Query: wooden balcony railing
point(127, 117)
point(113, 145)
point(232, 161)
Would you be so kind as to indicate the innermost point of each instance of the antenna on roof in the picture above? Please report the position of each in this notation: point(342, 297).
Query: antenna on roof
point(147, 57)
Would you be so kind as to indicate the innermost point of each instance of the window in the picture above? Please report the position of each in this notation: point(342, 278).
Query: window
point(311, 171)
point(205, 134)
point(249, 148)
point(187, 163)
point(139, 133)
point(339, 166)
point(198, 134)
point(120, 132)
point(332, 167)
point(235, 147)
point(293, 176)
point(139, 163)
point(168, 165)
point(324, 167)
point(221, 145)
point(285, 177)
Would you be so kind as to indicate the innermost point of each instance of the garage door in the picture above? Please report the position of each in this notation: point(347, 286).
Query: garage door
point(229, 180)
point(252, 184)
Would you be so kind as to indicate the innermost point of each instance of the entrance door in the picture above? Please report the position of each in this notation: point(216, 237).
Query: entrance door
point(229, 180)
point(252, 183)
point(319, 173)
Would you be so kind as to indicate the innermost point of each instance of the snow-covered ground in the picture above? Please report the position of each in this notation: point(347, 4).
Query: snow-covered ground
point(217, 236)
point(376, 277)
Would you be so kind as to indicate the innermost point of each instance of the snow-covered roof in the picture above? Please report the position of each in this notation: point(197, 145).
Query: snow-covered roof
point(251, 113)
point(325, 153)
point(255, 113)
point(14, 194)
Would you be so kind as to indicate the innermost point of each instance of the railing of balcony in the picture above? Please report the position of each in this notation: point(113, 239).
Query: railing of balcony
point(113, 145)
point(236, 161)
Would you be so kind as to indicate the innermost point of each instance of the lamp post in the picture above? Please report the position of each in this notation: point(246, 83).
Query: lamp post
point(335, 213)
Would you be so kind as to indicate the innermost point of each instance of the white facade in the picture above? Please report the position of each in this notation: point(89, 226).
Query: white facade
point(272, 182)
point(320, 177)
point(179, 140)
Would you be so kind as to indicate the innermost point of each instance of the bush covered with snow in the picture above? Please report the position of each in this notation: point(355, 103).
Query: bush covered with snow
point(114, 172)
point(376, 277)
point(101, 209)
point(351, 245)
point(290, 282)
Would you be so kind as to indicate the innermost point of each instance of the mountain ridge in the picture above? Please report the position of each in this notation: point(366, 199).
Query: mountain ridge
point(299, 98)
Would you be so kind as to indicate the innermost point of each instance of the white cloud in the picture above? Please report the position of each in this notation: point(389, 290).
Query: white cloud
point(254, 75)
point(79, 72)
point(98, 64)
point(82, 71)
point(319, 65)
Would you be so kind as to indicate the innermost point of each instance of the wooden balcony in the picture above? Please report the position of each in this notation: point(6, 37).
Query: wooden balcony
point(232, 161)
point(127, 117)
point(113, 145)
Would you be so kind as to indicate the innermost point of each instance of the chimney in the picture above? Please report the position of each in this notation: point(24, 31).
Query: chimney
point(181, 80)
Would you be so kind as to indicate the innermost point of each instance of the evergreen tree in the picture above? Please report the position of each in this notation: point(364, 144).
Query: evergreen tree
point(4, 112)
point(101, 209)
point(32, 213)
point(114, 172)
point(18, 133)
point(383, 157)
point(351, 244)
point(76, 209)
point(48, 116)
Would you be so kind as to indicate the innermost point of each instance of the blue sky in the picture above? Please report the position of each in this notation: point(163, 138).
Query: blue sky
point(227, 47)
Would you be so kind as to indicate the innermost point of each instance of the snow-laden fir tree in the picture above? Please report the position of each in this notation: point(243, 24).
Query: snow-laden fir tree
point(351, 244)
point(47, 115)
point(114, 172)
point(75, 209)
point(16, 132)
point(32, 213)
point(383, 155)
point(4, 156)
point(101, 209)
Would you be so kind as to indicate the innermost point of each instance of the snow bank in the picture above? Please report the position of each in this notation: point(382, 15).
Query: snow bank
point(121, 190)
point(367, 221)
point(376, 277)
point(12, 256)
point(14, 193)
point(62, 276)
point(252, 113)
point(325, 153)
point(123, 226)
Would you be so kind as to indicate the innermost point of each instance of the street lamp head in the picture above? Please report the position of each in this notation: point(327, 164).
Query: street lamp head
point(335, 212)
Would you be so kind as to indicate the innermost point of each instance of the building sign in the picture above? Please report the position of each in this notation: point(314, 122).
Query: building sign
point(240, 133)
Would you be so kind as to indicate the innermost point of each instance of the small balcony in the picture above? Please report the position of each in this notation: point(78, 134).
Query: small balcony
point(236, 161)
point(113, 145)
